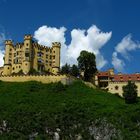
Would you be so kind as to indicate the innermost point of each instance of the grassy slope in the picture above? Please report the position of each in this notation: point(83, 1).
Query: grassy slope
point(31, 107)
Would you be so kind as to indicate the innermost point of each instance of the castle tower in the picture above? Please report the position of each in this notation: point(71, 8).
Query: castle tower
point(27, 54)
point(111, 71)
point(56, 57)
point(8, 57)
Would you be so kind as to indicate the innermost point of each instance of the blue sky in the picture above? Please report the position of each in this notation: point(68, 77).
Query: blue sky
point(120, 18)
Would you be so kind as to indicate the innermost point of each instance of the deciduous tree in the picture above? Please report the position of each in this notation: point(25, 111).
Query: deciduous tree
point(87, 64)
point(130, 92)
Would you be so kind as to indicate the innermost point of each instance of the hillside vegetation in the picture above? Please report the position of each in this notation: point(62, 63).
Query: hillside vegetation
point(33, 110)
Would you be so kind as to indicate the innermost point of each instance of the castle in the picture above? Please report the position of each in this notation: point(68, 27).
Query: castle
point(113, 83)
point(30, 56)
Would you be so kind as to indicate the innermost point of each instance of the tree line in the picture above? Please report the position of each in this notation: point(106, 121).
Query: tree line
point(86, 66)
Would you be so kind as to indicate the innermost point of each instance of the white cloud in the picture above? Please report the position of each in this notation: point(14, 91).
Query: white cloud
point(127, 45)
point(2, 39)
point(117, 63)
point(1, 58)
point(91, 40)
point(124, 49)
point(46, 35)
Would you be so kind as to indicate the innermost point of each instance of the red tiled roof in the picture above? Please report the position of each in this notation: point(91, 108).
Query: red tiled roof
point(103, 74)
point(121, 77)
point(127, 77)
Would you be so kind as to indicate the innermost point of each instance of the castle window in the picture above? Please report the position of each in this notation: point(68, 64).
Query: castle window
point(10, 49)
point(16, 61)
point(39, 54)
point(26, 64)
point(50, 51)
point(19, 67)
point(54, 51)
point(116, 87)
point(14, 54)
point(26, 54)
point(27, 49)
point(40, 61)
point(50, 64)
point(13, 68)
point(8, 68)
point(53, 57)
point(27, 44)
point(50, 57)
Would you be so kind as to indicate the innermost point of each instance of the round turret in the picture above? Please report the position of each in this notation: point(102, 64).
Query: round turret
point(56, 44)
point(8, 42)
point(56, 57)
point(28, 37)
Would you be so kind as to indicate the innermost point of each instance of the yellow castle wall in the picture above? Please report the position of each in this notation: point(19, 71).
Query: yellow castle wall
point(50, 56)
point(40, 78)
point(1, 70)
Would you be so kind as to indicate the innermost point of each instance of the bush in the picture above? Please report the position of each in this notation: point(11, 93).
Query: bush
point(58, 87)
point(34, 86)
point(130, 93)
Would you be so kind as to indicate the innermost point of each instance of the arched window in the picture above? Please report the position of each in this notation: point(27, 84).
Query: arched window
point(116, 87)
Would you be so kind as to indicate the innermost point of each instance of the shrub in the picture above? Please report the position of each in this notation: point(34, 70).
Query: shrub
point(130, 92)
point(58, 87)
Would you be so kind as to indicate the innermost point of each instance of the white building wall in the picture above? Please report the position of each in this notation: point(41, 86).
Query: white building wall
point(112, 87)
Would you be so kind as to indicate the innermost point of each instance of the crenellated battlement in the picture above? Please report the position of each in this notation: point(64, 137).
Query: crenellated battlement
point(56, 44)
point(28, 37)
point(40, 78)
point(8, 42)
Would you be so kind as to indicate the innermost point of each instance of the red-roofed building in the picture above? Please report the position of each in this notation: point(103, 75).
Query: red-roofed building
point(102, 78)
point(114, 82)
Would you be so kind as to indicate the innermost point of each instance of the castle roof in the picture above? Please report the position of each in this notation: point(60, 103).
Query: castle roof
point(106, 73)
point(126, 77)
point(120, 77)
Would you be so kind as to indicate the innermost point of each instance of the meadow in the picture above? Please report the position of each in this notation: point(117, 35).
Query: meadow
point(32, 110)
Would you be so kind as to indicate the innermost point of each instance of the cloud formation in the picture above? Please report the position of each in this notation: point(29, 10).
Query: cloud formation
point(117, 63)
point(2, 39)
point(124, 49)
point(91, 40)
point(46, 35)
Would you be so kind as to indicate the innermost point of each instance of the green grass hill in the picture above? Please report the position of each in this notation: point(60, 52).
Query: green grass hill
point(33, 110)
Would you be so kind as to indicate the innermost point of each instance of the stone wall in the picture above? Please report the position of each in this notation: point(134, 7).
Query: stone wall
point(40, 78)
